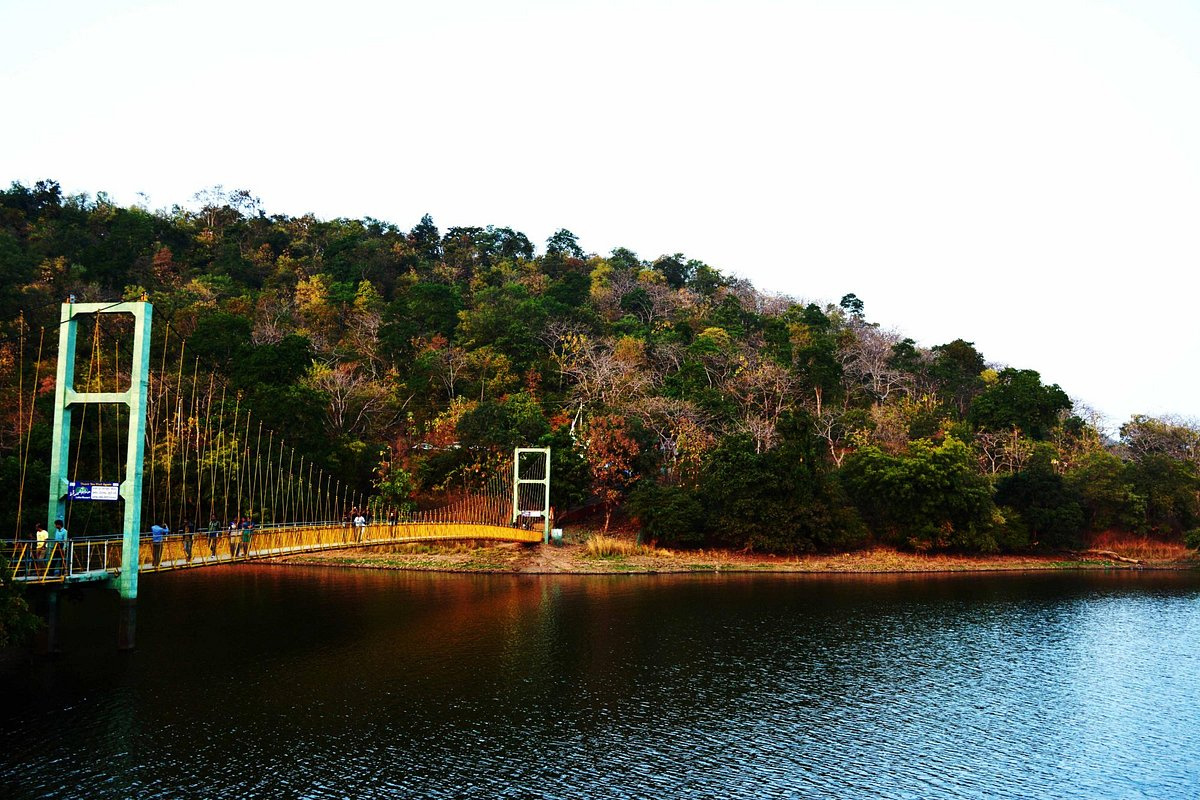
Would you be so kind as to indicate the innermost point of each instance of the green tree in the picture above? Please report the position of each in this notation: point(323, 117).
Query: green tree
point(17, 622)
point(425, 240)
point(929, 499)
point(517, 421)
point(672, 516)
point(677, 270)
point(564, 243)
point(1107, 496)
point(1018, 399)
point(776, 501)
point(1050, 511)
point(571, 477)
point(395, 486)
point(956, 368)
point(852, 305)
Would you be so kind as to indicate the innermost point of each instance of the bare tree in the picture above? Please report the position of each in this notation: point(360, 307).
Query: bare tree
point(1174, 437)
point(763, 390)
point(356, 402)
point(865, 353)
point(601, 373)
point(273, 318)
point(363, 338)
point(681, 430)
point(1002, 451)
point(449, 361)
point(829, 424)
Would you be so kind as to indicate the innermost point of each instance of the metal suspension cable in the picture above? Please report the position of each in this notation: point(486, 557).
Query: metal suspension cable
point(92, 364)
point(252, 478)
point(244, 467)
point(117, 408)
point(191, 415)
point(327, 512)
point(262, 501)
point(242, 447)
point(316, 515)
point(225, 458)
point(262, 483)
point(275, 500)
point(159, 410)
point(288, 511)
point(251, 474)
point(20, 414)
point(205, 432)
point(299, 500)
point(173, 433)
point(328, 504)
point(8, 338)
point(308, 501)
point(37, 379)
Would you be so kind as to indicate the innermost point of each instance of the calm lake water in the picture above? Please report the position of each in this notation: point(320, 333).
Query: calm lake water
point(272, 681)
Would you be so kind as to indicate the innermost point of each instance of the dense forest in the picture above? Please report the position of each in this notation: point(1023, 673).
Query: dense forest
point(705, 411)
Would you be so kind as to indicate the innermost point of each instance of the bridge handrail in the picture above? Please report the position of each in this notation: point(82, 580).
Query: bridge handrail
point(90, 558)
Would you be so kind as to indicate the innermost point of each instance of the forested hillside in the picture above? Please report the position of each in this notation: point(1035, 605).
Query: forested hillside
point(710, 412)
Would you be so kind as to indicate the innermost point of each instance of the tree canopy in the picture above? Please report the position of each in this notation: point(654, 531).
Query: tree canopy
point(406, 358)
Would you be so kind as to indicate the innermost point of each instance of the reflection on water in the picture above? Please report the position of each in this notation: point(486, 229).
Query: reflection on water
point(313, 682)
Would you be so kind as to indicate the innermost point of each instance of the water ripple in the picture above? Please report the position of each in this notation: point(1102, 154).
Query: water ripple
point(271, 682)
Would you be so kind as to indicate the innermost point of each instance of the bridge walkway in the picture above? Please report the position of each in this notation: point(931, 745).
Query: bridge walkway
point(96, 559)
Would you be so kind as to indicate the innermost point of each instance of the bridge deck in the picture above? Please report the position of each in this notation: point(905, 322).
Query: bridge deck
point(98, 559)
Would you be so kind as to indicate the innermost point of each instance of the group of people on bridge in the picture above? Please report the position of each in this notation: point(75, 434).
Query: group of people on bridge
point(241, 531)
point(49, 555)
point(47, 552)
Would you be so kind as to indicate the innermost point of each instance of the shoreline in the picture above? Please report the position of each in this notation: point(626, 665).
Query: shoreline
point(573, 558)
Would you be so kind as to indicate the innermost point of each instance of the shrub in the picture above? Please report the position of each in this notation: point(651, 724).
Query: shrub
point(669, 515)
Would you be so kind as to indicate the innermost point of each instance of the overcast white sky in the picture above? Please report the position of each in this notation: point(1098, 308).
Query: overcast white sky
point(1024, 175)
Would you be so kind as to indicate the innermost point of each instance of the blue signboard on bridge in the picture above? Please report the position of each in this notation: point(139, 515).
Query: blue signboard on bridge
point(85, 490)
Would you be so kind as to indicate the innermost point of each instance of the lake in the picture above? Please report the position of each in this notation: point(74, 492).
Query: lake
point(283, 681)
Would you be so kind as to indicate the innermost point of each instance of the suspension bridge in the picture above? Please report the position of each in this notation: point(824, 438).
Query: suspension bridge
point(131, 442)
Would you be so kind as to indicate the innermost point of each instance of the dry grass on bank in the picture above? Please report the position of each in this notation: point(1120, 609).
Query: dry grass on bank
point(590, 550)
point(428, 548)
point(1143, 548)
point(599, 545)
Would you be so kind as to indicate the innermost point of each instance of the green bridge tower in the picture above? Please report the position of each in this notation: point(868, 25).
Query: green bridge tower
point(134, 398)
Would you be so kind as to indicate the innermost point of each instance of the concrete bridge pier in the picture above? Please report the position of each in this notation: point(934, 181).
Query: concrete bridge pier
point(47, 641)
point(127, 622)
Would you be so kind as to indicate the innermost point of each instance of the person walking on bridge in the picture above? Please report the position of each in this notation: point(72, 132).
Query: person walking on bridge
point(360, 524)
point(158, 534)
point(247, 533)
point(214, 531)
point(189, 532)
point(58, 548)
point(40, 536)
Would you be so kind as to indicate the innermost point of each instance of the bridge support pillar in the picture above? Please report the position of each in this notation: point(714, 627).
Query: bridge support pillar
point(127, 624)
point(531, 486)
point(47, 642)
point(135, 399)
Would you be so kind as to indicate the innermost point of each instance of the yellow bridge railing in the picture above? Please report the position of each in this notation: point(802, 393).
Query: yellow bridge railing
point(98, 559)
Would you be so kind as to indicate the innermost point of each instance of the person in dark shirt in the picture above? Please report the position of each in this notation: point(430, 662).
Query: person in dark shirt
point(214, 531)
point(189, 531)
point(247, 533)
